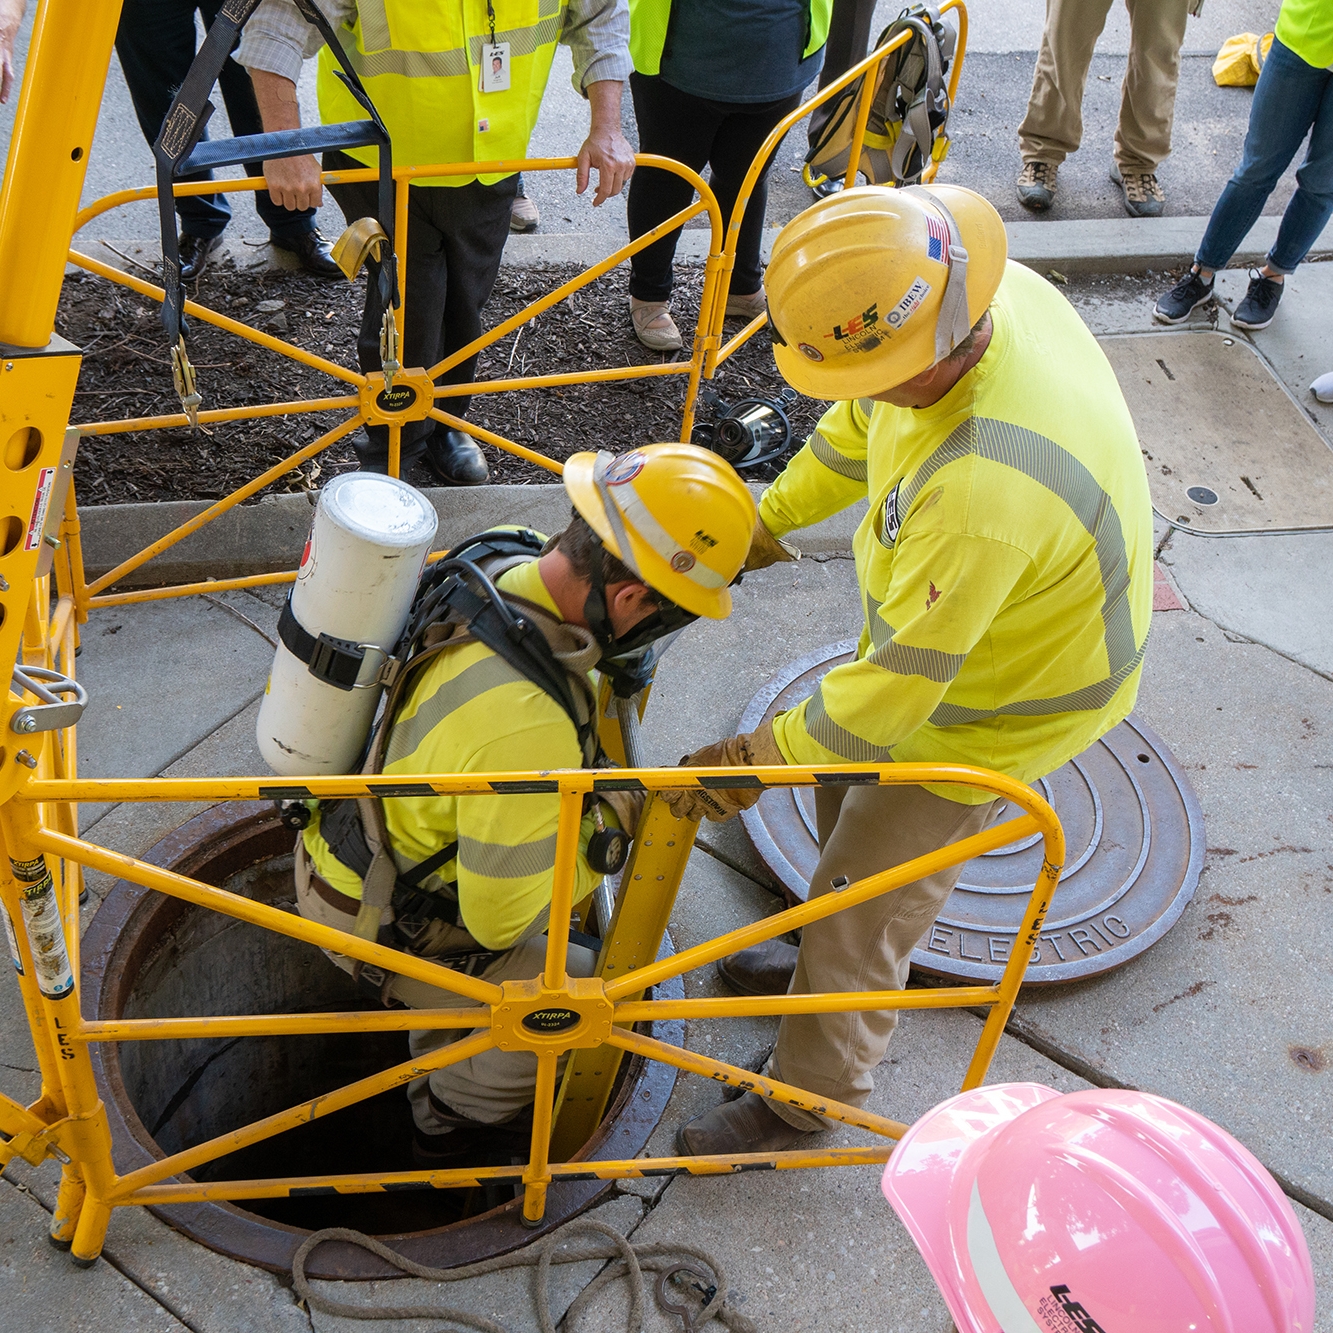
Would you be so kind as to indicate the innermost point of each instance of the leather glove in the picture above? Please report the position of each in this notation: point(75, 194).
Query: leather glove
point(766, 549)
point(628, 806)
point(755, 748)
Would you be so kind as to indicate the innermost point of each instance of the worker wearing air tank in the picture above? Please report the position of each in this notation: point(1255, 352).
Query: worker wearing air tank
point(1005, 575)
point(485, 659)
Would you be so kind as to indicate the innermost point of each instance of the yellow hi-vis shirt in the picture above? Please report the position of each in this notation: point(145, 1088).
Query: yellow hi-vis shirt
point(471, 712)
point(1005, 564)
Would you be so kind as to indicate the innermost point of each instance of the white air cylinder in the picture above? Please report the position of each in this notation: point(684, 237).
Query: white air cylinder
point(358, 576)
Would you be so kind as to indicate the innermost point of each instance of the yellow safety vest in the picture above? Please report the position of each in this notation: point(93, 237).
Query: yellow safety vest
point(1005, 563)
point(420, 61)
point(471, 712)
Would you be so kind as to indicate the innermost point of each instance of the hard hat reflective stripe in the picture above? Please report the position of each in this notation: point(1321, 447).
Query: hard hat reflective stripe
point(953, 322)
point(996, 1285)
point(623, 502)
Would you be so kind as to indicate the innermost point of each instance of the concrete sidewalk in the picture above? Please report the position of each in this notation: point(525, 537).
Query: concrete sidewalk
point(1229, 1013)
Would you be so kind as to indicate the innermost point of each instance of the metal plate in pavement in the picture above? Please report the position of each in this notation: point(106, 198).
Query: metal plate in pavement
point(1134, 835)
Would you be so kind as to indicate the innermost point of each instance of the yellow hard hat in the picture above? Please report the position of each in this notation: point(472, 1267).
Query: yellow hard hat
point(871, 286)
point(677, 515)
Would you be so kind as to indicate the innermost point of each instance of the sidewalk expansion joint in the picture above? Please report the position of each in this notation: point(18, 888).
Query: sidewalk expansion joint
point(1032, 1038)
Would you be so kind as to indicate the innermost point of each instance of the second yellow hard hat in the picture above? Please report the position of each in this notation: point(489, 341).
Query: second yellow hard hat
point(871, 286)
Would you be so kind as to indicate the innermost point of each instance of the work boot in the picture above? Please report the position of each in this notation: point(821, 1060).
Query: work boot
point(456, 458)
point(653, 325)
point(523, 214)
point(1188, 294)
point(1143, 195)
point(762, 969)
point(1036, 185)
point(745, 1125)
point(747, 307)
point(195, 252)
point(314, 252)
point(1259, 305)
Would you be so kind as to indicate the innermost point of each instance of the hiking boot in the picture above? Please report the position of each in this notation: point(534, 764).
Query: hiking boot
point(745, 1125)
point(653, 325)
point(1256, 311)
point(1036, 185)
point(762, 969)
point(747, 307)
point(1143, 195)
point(1187, 295)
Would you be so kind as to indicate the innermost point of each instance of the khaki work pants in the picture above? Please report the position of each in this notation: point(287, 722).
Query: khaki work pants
point(492, 1087)
point(1053, 126)
point(863, 830)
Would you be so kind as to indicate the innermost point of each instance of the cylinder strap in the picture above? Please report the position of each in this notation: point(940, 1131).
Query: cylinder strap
point(336, 662)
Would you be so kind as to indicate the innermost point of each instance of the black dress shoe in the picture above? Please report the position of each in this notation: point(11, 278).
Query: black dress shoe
point(312, 250)
point(456, 458)
point(195, 252)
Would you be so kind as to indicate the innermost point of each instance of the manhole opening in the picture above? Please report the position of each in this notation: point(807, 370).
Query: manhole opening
point(155, 957)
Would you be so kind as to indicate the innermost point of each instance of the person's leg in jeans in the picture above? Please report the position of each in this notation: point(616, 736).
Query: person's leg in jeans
point(238, 94)
point(155, 43)
point(1309, 209)
point(1148, 95)
point(1287, 101)
point(679, 126)
point(738, 140)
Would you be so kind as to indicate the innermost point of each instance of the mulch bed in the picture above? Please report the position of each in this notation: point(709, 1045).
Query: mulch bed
point(127, 373)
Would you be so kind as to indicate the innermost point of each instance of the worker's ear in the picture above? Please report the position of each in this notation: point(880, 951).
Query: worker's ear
point(628, 604)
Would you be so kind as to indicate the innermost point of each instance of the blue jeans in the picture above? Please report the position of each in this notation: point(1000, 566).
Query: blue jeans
point(1290, 99)
point(155, 43)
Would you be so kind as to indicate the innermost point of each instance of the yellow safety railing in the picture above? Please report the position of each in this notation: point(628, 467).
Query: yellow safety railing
point(69, 1120)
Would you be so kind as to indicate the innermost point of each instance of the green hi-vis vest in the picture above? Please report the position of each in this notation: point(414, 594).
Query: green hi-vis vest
point(649, 20)
point(420, 61)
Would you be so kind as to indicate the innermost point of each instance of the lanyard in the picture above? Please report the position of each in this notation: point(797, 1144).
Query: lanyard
point(490, 14)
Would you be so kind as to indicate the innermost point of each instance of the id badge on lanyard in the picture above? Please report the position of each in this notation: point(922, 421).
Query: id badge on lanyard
point(494, 59)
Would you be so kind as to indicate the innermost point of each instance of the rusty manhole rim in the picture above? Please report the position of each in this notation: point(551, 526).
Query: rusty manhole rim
point(785, 873)
point(226, 837)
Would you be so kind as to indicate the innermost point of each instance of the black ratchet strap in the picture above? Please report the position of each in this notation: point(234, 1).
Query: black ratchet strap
point(336, 662)
point(178, 151)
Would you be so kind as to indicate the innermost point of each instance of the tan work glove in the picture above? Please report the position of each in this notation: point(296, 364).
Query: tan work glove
point(755, 748)
point(766, 549)
point(628, 806)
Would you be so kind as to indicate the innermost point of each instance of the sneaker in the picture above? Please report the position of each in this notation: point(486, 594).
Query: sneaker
point(1256, 311)
point(1036, 185)
point(747, 307)
point(653, 325)
point(1322, 389)
point(523, 214)
point(1187, 295)
point(1143, 195)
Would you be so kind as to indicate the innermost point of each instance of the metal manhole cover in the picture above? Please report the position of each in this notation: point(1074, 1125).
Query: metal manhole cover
point(1134, 835)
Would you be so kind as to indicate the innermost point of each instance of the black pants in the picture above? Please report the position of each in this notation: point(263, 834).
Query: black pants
point(455, 237)
point(722, 135)
point(155, 43)
point(848, 42)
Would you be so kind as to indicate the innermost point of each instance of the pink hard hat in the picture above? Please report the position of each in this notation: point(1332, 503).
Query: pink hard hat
point(1103, 1211)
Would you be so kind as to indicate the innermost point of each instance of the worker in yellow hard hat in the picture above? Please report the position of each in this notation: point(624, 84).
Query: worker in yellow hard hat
point(657, 537)
point(1005, 573)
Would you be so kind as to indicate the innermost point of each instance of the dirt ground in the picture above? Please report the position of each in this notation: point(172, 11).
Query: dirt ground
point(127, 373)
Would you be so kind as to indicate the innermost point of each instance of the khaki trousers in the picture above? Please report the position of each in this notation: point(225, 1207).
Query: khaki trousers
point(863, 830)
point(492, 1087)
point(1053, 126)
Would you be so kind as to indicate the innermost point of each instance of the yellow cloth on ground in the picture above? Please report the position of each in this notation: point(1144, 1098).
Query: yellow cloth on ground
point(471, 712)
point(1240, 60)
point(1005, 563)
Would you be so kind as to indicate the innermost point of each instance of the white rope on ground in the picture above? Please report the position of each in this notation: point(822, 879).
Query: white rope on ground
point(631, 1261)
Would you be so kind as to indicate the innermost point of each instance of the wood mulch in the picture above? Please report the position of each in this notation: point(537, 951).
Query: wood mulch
point(126, 373)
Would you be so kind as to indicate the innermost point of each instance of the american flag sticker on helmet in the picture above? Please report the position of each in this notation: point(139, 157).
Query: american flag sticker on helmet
point(937, 240)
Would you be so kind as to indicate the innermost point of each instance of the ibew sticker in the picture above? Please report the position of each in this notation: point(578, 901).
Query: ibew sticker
point(906, 308)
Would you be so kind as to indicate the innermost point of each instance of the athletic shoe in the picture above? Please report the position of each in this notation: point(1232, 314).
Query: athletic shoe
point(1143, 195)
point(653, 325)
point(1256, 311)
point(747, 307)
point(1187, 295)
point(1036, 185)
point(1322, 388)
point(523, 214)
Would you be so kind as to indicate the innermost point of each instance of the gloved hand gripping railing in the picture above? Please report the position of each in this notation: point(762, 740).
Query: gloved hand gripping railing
point(179, 153)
